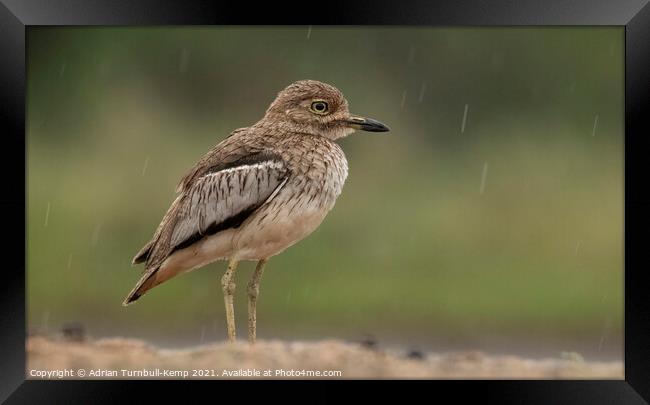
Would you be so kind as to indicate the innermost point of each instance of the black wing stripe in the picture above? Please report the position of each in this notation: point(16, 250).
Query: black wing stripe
point(224, 199)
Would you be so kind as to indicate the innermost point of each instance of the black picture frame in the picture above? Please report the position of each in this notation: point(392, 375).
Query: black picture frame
point(17, 16)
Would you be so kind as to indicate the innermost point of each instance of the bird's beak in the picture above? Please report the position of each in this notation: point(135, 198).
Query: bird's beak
point(366, 124)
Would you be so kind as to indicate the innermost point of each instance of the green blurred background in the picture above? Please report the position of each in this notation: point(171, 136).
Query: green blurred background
point(490, 217)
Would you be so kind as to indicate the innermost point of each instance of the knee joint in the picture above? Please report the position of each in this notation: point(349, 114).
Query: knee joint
point(253, 290)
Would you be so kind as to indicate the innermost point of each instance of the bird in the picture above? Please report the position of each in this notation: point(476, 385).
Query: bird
point(256, 193)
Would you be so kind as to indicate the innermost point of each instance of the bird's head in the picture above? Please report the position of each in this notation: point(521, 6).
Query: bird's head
point(318, 108)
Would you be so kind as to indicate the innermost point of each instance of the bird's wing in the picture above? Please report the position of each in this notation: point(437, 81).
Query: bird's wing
point(221, 198)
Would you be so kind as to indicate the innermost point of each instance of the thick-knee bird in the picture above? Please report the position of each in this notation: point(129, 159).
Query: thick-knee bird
point(257, 192)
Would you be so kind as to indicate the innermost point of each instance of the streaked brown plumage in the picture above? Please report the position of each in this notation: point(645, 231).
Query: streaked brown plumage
point(257, 192)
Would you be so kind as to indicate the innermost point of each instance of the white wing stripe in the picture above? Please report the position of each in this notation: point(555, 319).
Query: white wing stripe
point(269, 164)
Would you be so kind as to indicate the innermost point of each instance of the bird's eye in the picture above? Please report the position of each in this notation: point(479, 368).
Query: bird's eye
point(319, 107)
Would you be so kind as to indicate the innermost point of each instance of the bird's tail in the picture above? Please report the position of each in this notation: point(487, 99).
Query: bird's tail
point(146, 282)
point(143, 254)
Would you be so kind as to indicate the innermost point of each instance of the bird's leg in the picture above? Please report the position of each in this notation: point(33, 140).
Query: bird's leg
point(253, 292)
point(228, 287)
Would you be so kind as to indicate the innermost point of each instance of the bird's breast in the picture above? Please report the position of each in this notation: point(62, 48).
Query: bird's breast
point(315, 182)
point(320, 173)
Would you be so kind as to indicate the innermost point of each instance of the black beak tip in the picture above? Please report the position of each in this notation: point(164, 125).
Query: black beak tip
point(384, 128)
point(371, 125)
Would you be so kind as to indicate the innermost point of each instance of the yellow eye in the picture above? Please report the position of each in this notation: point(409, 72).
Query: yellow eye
point(319, 107)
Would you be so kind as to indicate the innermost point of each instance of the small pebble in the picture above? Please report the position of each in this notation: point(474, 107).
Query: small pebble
point(415, 354)
point(73, 332)
point(572, 356)
point(369, 343)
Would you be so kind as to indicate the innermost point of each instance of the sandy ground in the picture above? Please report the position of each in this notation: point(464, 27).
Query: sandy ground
point(111, 358)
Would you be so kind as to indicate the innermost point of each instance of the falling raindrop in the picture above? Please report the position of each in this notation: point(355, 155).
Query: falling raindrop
point(45, 320)
point(422, 90)
point(146, 163)
point(69, 261)
point(185, 60)
point(202, 333)
point(483, 177)
point(95, 236)
point(593, 131)
point(578, 247)
point(403, 100)
point(411, 54)
point(47, 213)
point(62, 70)
point(309, 32)
point(605, 333)
point(462, 126)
